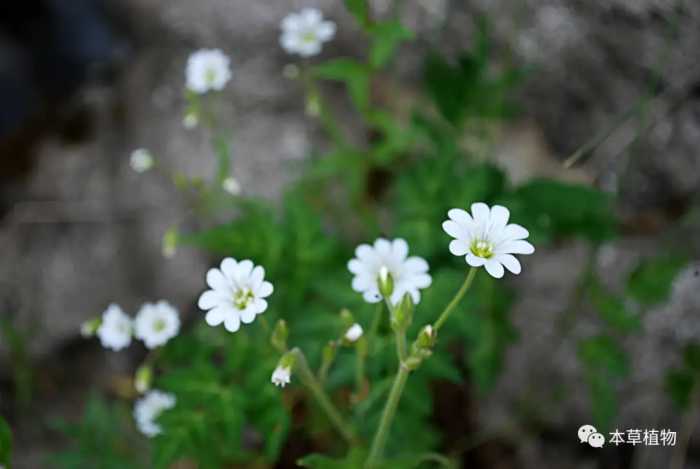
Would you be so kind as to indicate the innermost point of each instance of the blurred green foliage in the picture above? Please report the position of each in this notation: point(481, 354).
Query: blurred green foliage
point(5, 444)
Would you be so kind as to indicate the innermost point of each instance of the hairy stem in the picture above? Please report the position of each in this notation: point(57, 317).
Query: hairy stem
point(392, 403)
point(310, 381)
point(455, 301)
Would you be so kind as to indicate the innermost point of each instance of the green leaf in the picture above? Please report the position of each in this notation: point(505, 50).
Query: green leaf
point(612, 309)
point(679, 385)
point(603, 353)
point(5, 444)
point(360, 10)
point(386, 37)
point(354, 74)
point(603, 397)
point(650, 282)
point(691, 357)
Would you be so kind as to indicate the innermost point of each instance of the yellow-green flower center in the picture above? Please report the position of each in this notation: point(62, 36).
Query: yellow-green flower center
point(242, 298)
point(158, 325)
point(210, 76)
point(481, 248)
point(308, 36)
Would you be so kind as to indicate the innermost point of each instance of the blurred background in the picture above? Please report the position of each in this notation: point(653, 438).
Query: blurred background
point(612, 88)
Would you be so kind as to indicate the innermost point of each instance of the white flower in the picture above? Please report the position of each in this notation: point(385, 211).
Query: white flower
point(237, 294)
point(486, 239)
point(115, 330)
point(148, 409)
point(281, 376)
point(231, 185)
point(354, 333)
point(156, 323)
point(141, 160)
point(388, 259)
point(305, 32)
point(207, 69)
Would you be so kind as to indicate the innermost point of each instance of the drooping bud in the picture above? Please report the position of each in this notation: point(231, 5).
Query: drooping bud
point(329, 352)
point(347, 318)
point(282, 375)
point(143, 378)
point(279, 336)
point(385, 282)
point(353, 333)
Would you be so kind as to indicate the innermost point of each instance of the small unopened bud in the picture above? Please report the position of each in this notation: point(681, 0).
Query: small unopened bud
point(290, 71)
point(347, 318)
point(386, 282)
point(426, 337)
point(329, 352)
point(402, 314)
point(169, 243)
point(279, 336)
point(313, 105)
point(231, 186)
point(353, 333)
point(89, 328)
point(143, 378)
point(141, 160)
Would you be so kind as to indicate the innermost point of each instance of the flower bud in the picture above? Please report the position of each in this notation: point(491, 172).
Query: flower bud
point(89, 328)
point(426, 337)
point(279, 336)
point(402, 314)
point(347, 318)
point(329, 352)
point(169, 244)
point(143, 378)
point(353, 333)
point(386, 282)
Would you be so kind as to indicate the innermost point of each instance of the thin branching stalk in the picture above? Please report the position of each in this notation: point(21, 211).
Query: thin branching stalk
point(455, 301)
point(310, 381)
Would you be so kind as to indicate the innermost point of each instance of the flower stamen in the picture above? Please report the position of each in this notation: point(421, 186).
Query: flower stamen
point(482, 248)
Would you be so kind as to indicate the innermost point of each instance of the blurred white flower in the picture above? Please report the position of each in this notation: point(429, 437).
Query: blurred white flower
point(141, 160)
point(207, 69)
point(305, 32)
point(231, 185)
point(115, 330)
point(281, 376)
point(354, 333)
point(156, 323)
point(190, 121)
point(148, 409)
point(388, 260)
point(486, 239)
point(237, 294)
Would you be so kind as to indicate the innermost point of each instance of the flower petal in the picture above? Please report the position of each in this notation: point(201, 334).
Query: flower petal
point(455, 230)
point(475, 261)
point(265, 290)
point(228, 268)
point(260, 306)
point(459, 247)
point(217, 281)
point(499, 217)
point(480, 212)
point(460, 216)
point(399, 248)
point(513, 231)
point(365, 253)
point(421, 281)
point(326, 30)
point(372, 296)
point(232, 322)
point(515, 247)
point(383, 247)
point(216, 316)
point(248, 315)
point(494, 268)
point(245, 267)
point(256, 277)
point(510, 262)
point(209, 299)
point(415, 264)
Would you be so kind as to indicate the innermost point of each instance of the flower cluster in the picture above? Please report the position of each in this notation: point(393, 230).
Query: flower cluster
point(155, 324)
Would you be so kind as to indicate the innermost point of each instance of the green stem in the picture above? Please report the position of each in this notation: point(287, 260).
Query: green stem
point(308, 378)
point(455, 301)
point(361, 353)
point(374, 327)
point(387, 417)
